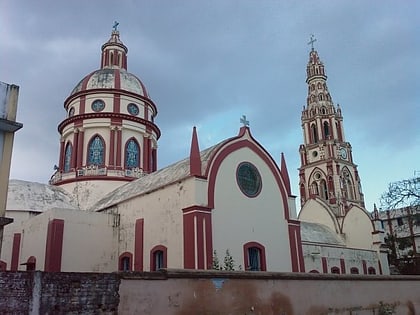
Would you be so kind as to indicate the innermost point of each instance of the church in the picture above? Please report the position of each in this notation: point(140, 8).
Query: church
point(108, 207)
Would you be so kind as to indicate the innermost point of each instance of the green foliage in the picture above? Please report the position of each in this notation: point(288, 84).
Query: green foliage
point(216, 263)
point(229, 263)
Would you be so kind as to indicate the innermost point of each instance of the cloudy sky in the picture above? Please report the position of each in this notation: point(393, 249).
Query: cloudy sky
point(207, 63)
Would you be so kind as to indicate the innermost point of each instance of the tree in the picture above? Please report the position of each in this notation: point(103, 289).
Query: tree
point(402, 193)
point(216, 263)
point(229, 263)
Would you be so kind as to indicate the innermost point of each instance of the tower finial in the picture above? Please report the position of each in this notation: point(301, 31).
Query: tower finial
point(243, 121)
point(312, 41)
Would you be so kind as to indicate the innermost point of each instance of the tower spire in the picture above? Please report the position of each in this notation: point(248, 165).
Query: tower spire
point(195, 160)
point(114, 52)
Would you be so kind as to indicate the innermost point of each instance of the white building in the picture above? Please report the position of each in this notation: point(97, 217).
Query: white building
point(108, 208)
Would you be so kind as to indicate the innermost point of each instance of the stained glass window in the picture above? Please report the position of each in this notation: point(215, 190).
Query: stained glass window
point(132, 154)
point(67, 157)
point(248, 179)
point(96, 151)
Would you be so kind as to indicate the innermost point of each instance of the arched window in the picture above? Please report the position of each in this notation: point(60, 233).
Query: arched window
point(326, 130)
point(354, 271)
point(314, 271)
point(31, 264)
point(3, 265)
point(96, 152)
point(319, 85)
point(314, 133)
point(335, 270)
point(125, 262)
point(315, 190)
point(132, 154)
point(324, 189)
point(67, 157)
point(371, 271)
point(321, 97)
point(254, 257)
point(158, 258)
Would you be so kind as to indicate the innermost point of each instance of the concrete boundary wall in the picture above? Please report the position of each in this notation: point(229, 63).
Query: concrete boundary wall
point(185, 292)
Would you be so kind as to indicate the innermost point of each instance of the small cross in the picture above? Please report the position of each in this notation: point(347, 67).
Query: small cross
point(244, 121)
point(312, 41)
point(115, 25)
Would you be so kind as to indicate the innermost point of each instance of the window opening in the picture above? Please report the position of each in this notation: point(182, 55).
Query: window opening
point(96, 151)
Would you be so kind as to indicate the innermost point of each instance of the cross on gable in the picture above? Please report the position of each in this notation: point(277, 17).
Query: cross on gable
point(244, 121)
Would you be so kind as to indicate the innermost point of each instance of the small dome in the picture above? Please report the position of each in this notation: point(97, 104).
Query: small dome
point(111, 78)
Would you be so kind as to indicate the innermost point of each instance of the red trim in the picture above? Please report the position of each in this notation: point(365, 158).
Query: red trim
point(75, 153)
point(138, 245)
point(82, 93)
point(261, 247)
point(80, 148)
point(80, 118)
point(195, 159)
point(324, 262)
point(342, 265)
point(380, 267)
point(31, 264)
point(61, 158)
point(146, 154)
point(296, 252)
point(3, 265)
point(117, 83)
point(162, 248)
point(54, 245)
point(120, 261)
point(15, 252)
point(213, 167)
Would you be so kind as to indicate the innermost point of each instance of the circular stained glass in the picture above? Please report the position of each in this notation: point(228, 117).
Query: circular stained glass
point(98, 105)
point(248, 179)
point(133, 109)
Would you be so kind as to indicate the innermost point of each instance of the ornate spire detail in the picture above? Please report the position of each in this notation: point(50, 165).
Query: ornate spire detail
point(285, 174)
point(114, 52)
point(195, 159)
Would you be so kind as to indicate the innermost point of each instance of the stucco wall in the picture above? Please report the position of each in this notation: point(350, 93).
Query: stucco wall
point(238, 219)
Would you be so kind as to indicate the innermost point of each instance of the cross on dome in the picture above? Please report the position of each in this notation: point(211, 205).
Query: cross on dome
point(115, 26)
point(312, 41)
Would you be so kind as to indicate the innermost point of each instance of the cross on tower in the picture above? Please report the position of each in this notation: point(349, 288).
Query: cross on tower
point(312, 41)
point(115, 26)
point(244, 121)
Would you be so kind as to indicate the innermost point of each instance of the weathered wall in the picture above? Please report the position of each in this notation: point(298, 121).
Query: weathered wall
point(183, 292)
point(186, 292)
point(58, 293)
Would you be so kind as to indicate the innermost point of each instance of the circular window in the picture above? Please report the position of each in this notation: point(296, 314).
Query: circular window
point(71, 112)
point(248, 179)
point(317, 175)
point(314, 153)
point(133, 109)
point(98, 105)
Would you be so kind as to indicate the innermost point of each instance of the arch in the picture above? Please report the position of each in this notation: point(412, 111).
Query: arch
point(158, 258)
point(254, 257)
point(354, 271)
point(314, 271)
point(326, 129)
point(347, 184)
point(335, 270)
point(321, 96)
point(96, 151)
point(132, 153)
point(371, 271)
point(323, 110)
point(31, 264)
point(319, 85)
point(125, 262)
point(312, 87)
point(302, 192)
point(3, 265)
point(67, 157)
point(314, 133)
point(315, 189)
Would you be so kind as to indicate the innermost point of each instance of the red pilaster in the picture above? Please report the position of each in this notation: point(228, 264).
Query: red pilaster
point(61, 159)
point(295, 242)
point(198, 234)
point(119, 147)
point(75, 152)
point(364, 267)
point(111, 147)
point(80, 139)
point(54, 245)
point(15, 252)
point(138, 245)
point(342, 265)
point(324, 264)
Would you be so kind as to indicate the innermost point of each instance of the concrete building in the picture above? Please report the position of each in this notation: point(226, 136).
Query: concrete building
point(108, 207)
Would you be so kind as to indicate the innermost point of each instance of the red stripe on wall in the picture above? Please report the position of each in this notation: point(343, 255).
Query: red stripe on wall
point(54, 245)
point(189, 252)
point(296, 252)
point(200, 241)
point(342, 265)
point(364, 266)
point(138, 245)
point(15, 252)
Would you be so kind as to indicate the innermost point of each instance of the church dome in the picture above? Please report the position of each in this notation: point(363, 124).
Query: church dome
point(111, 78)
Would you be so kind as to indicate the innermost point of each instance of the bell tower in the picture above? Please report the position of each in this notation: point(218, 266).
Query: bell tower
point(327, 170)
